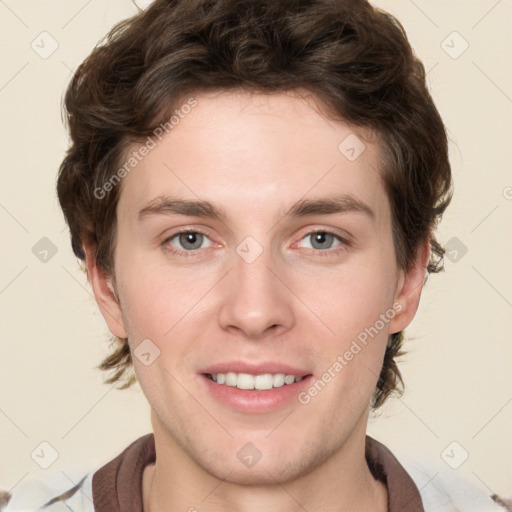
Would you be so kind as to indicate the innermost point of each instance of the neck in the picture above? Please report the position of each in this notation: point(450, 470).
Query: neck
point(344, 481)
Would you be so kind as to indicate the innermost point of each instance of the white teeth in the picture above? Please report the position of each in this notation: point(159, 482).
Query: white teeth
point(289, 379)
point(263, 381)
point(230, 379)
point(260, 382)
point(245, 381)
point(278, 380)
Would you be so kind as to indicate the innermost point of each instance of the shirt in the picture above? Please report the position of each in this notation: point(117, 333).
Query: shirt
point(117, 486)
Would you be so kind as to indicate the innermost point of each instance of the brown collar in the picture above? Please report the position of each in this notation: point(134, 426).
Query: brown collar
point(117, 486)
point(403, 495)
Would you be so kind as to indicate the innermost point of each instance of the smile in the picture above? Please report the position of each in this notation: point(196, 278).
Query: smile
point(259, 382)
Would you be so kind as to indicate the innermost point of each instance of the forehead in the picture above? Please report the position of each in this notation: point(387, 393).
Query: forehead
point(255, 153)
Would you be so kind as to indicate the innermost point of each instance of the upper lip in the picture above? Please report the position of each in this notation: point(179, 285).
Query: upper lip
point(255, 368)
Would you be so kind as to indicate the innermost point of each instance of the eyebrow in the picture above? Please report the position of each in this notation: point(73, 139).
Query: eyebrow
point(338, 203)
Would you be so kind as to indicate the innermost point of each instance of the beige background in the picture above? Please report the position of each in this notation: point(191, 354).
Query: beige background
point(458, 368)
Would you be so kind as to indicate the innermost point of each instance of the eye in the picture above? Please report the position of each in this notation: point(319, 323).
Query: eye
point(187, 242)
point(323, 240)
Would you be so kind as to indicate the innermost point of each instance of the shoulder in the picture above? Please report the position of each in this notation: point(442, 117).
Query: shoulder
point(444, 490)
point(72, 490)
point(432, 485)
point(55, 493)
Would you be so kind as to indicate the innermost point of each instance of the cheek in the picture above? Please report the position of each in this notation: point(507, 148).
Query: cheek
point(350, 300)
point(355, 307)
point(352, 354)
point(158, 301)
point(141, 290)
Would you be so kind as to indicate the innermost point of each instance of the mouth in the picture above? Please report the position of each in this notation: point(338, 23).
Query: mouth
point(255, 388)
point(259, 382)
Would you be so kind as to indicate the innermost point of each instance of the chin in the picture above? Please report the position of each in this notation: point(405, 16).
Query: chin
point(247, 465)
point(261, 474)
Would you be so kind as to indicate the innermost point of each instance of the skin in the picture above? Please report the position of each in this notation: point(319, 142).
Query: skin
point(255, 155)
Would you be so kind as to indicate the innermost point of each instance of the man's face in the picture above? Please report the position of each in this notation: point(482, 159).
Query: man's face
point(259, 291)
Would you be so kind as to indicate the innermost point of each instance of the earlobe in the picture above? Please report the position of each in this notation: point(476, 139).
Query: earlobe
point(105, 294)
point(409, 287)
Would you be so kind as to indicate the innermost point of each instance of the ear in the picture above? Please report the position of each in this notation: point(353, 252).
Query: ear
point(105, 294)
point(409, 287)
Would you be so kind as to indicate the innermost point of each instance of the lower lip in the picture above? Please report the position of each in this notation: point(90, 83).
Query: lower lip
point(256, 401)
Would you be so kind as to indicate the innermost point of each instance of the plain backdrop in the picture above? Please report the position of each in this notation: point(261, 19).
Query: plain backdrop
point(458, 397)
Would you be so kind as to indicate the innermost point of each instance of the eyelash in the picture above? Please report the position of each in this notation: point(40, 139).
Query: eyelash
point(344, 243)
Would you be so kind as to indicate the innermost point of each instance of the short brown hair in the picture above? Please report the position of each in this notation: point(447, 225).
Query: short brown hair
point(353, 57)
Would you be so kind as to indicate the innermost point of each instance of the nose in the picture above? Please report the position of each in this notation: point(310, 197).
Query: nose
point(256, 300)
